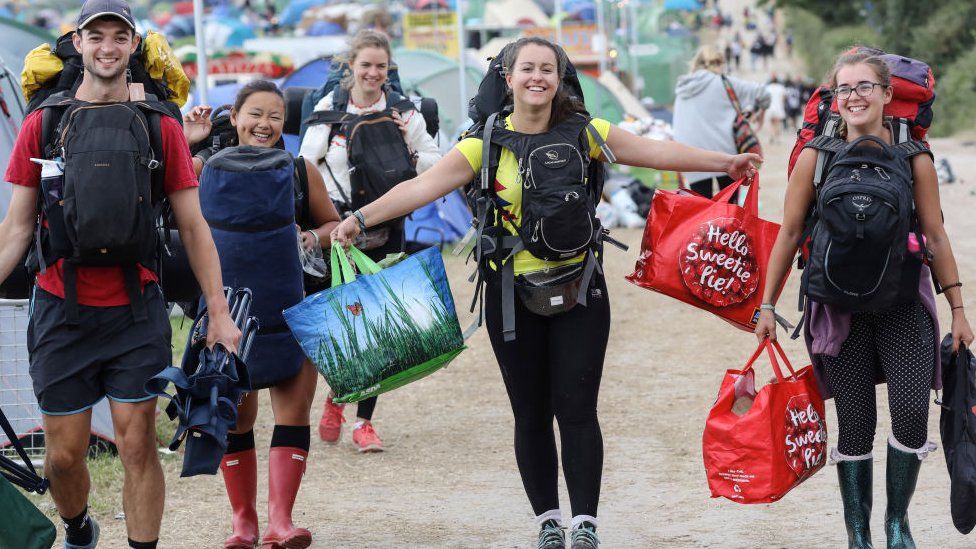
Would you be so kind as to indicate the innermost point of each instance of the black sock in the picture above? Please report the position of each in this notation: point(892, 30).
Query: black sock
point(77, 530)
point(291, 436)
point(239, 442)
point(142, 544)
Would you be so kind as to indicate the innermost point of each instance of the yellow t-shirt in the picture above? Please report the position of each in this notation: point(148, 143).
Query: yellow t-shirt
point(508, 190)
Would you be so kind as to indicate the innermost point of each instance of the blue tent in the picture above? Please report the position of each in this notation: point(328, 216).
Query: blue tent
point(310, 75)
point(293, 13)
point(442, 221)
point(325, 28)
point(688, 5)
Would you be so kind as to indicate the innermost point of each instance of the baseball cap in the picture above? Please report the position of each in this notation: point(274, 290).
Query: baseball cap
point(93, 9)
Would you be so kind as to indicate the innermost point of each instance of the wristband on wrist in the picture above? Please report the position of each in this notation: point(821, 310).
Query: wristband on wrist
point(767, 307)
point(315, 235)
point(360, 219)
point(956, 285)
point(957, 307)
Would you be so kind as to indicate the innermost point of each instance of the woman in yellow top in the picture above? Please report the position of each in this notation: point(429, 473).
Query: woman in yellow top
point(553, 367)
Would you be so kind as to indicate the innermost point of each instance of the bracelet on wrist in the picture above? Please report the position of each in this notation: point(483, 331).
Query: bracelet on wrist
point(950, 286)
point(318, 241)
point(767, 307)
point(360, 219)
point(957, 307)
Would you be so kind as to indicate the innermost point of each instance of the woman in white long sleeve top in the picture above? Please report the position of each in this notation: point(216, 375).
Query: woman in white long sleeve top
point(369, 61)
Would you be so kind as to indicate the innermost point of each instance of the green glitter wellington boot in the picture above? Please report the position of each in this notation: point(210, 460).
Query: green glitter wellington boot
point(855, 476)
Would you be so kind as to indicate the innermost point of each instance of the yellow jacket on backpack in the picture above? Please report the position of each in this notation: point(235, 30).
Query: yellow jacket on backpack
point(42, 65)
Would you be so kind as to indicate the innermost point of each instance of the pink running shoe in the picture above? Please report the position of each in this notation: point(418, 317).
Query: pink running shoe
point(330, 426)
point(365, 438)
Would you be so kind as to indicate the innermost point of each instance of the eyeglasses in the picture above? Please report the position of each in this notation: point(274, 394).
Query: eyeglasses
point(864, 89)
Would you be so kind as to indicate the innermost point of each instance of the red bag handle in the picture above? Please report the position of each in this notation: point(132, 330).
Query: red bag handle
point(768, 346)
point(752, 194)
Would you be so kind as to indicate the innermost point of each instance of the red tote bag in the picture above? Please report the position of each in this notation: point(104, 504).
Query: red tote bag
point(758, 453)
point(708, 253)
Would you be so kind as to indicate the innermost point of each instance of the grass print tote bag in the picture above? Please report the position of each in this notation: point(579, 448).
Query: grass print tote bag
point(759, 445)
point(707, 252)
point(372, 333)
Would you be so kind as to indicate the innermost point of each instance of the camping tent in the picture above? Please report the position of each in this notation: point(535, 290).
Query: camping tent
point(442, 221)
point(434, 75)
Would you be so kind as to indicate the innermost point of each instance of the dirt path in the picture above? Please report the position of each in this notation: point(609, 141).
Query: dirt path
point(448, 477)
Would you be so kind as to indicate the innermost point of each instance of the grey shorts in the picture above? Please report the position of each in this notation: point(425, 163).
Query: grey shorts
point(107, 354)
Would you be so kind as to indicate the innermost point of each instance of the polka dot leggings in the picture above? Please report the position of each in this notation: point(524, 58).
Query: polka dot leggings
point(900, 340)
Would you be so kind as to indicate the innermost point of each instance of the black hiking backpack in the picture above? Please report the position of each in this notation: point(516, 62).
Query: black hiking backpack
point(859, 257)
point(105, 208)
point(378, 155)
point(561, 187)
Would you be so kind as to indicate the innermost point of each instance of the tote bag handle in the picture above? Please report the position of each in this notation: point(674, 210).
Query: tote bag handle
point(342, 272)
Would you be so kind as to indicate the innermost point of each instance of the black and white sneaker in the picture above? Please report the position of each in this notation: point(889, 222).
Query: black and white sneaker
point(551, 536)
point(584, 537)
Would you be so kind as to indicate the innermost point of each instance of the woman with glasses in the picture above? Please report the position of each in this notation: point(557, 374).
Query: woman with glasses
point(856, 344)
point(704, 114)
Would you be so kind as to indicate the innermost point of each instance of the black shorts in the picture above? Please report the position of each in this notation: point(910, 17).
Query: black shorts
point(107, 354)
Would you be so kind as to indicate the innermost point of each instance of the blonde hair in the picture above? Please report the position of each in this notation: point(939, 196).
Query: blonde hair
point(366, 38)
point(707, 57)
point(858, 56)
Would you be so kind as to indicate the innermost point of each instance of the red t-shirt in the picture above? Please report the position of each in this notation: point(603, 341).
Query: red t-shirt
point(98, 286)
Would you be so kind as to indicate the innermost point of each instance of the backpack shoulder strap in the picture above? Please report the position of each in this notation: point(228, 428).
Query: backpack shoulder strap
point(397, 102)
point(826, 146)
point(913, 148)
point(153, 111)
point(340, 99)
point(600, 141)
point(301, 191)
point(328, 117)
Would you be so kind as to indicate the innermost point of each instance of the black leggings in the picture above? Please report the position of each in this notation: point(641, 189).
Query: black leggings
point(553, 369)
point(705, 188)
point(900, 339)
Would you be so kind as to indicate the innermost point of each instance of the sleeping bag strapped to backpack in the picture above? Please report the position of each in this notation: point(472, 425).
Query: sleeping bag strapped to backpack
point(913, 94)
point(339, 69)
point(378, 156)
point(154, 65)
point(859, 256)
point(247, 198)
point(102, 191)
point(561, 187)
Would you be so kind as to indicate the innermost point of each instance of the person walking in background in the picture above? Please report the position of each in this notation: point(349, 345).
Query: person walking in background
point(704, 114)
point(776, 113)
point(363, 91)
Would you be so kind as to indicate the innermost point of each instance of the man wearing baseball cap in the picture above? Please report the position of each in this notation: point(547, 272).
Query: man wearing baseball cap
point(103, 331)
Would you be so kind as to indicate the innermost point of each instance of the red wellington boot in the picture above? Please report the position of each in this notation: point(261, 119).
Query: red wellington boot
point(240, 473)
point(286, 466)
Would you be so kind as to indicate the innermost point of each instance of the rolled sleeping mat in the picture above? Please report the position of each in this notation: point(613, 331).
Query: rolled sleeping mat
point(247, 198)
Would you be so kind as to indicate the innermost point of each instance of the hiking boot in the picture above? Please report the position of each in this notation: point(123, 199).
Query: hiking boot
point(584, 537)
point(855, 492)
point(551, 536)
point(902, 475)
point(330, 426)
point(240, 472)
point(285, 469)
point(94, 539)
point(365, 438)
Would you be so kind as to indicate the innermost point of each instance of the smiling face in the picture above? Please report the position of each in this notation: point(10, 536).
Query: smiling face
point(260, 120)
point(369, 70)
point(534, 76)
point(857, 111)
point(105, 46)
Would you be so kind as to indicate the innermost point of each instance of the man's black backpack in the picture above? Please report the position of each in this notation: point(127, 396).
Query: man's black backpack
point(378, 155)
point(104, 209)
point(859, 258)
